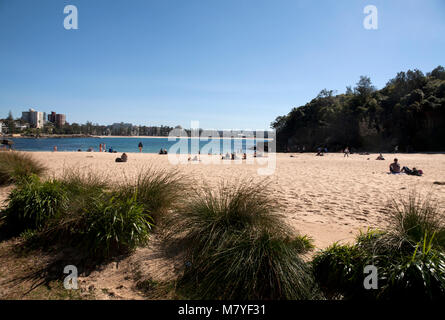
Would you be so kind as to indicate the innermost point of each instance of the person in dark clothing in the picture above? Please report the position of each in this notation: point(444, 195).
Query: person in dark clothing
point(123, 158)
point(140, 146)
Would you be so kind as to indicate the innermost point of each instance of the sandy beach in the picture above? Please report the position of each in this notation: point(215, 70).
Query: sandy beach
point(329, 198)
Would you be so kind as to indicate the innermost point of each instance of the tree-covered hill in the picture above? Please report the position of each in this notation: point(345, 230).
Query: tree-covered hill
point(409, 112)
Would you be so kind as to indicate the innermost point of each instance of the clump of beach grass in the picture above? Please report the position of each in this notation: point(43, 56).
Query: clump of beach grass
point(409, 256)
point(16, 166)
point(413, 218)
point(157, 190)
point(80, 210)
point(238, 246)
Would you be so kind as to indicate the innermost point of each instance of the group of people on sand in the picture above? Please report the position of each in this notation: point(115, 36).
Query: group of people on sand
point(394, 168)
point(162, 151)
point(227, 156)
point(234, 156)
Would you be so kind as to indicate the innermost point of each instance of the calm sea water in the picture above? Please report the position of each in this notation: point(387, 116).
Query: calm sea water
point(151, 145)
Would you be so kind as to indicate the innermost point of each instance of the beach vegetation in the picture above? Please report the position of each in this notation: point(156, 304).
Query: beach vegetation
point(33, 204)
point(80, 210)
point(408, 254)
point(157, 190)
point(112, 224)
point(16, 166)
point(238, 247)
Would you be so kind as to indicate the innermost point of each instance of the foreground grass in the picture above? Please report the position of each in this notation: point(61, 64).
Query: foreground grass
point(239, 248)
point(83, 211)
point(409, 256)
point(15, 166)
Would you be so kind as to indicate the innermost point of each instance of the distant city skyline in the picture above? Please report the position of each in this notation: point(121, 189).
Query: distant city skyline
point(227, 64)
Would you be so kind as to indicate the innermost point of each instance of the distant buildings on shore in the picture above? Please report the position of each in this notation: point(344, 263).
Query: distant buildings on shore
point(38, 119)
point(58, 119)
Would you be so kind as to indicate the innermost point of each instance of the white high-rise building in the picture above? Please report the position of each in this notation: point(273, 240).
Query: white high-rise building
point(35, 118)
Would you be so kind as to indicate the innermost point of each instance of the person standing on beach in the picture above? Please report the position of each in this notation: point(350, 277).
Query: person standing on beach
point(100, 147)
point(346, 151)
point(140, 146)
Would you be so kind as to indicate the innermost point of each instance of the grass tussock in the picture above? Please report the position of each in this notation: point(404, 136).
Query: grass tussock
point(409, 256)
point(158, 190)
point(239, 248)
point(16, 166)
point(414, 218)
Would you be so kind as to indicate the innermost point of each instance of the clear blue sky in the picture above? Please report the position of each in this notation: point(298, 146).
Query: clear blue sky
point(226, 63)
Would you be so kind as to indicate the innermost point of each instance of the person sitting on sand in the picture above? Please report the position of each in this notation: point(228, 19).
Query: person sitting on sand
point(123, 158)
point(165, 151)
point(380, 157)
point(395, 166)
point(244, 156)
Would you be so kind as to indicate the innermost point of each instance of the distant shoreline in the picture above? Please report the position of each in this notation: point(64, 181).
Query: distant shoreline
point(176, 137)
point(130, 137)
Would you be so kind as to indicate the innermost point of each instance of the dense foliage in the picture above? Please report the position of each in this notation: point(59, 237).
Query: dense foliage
point(409, 257)
point(409, 112)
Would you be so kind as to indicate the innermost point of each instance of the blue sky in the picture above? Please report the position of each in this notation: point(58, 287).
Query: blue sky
point(230, 64)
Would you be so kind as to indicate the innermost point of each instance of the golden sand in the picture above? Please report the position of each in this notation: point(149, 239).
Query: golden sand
point(329, 198)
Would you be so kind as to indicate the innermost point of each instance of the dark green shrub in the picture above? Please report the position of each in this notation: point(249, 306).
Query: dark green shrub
point(409, 256)
point(112, 224)
point(421, 276)
point(339, 271)
point(34, 204)
point(15, 166)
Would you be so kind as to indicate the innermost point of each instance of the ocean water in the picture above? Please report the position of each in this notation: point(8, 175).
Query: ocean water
point(150, 145)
